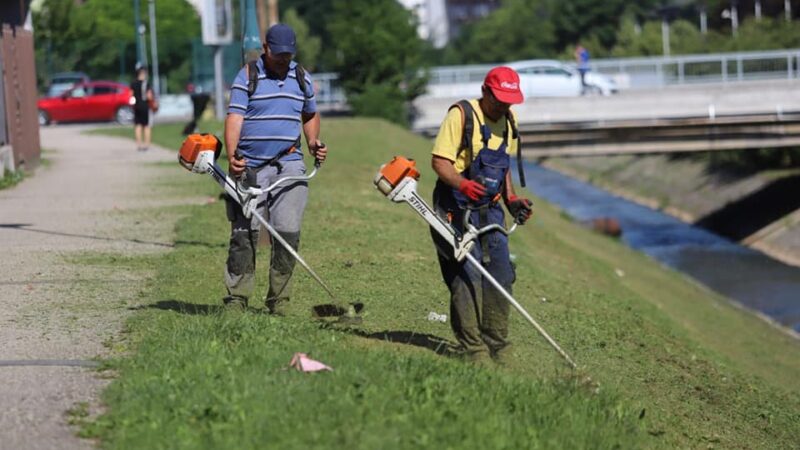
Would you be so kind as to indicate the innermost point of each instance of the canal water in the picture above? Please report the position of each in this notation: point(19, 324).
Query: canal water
point(744, 275)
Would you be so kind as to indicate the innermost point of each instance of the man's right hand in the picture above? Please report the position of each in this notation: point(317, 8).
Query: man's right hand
point(472, 189)
point(236, 165)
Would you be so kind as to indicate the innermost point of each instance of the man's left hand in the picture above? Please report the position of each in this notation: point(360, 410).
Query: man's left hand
point(319, 150)
point(519, 208)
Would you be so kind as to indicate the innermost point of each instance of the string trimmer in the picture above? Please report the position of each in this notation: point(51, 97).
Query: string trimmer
point(199, 154)
point(397, 180)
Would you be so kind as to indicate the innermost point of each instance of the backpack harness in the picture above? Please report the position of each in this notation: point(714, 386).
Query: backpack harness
point(488, 167)
point(468, 116)
point(252, 84)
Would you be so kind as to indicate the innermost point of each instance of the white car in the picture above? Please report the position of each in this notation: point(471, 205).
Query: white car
point(551, 78)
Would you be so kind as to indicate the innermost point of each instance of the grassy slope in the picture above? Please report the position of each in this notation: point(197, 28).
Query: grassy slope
point(676, 365)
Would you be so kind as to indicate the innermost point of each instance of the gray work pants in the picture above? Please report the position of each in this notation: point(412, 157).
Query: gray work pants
point(283, 208)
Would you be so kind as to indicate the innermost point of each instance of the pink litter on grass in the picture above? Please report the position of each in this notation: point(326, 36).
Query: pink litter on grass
point(303, 363)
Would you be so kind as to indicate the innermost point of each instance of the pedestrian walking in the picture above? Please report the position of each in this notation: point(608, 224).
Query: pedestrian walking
point(143, 109)
point(582, 62)
point(271, 103)
point(471, 158)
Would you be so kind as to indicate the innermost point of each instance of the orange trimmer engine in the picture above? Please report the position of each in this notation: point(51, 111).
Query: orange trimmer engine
point(393, 172)
point(194, 145)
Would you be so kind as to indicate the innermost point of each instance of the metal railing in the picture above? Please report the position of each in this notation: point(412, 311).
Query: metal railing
point(628, 73)
point(655, 72)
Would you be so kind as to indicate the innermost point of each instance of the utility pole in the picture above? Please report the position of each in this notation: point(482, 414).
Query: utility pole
point(154, 48)
point(137, 22)
point(273, 12)
point(667, 14)
point(758, 9)
point(787, 9)
point(263, 18)
point(251, 42)
point(703, 20)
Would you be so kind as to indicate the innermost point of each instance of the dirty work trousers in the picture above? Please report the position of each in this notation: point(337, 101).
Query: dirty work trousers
point(283, 208)
point(479, 312)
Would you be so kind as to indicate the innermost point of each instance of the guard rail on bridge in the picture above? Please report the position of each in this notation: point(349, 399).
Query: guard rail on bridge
point(755, 114)
point(659, 71)
point(688, 134)
point(629, 73)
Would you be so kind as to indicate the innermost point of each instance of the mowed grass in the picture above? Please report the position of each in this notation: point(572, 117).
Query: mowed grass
point(672, 365)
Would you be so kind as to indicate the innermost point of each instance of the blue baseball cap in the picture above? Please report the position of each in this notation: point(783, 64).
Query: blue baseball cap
point(281, 39)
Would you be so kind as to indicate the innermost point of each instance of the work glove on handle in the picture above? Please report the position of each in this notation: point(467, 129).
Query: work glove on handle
point(472, 189)
point(519, 208)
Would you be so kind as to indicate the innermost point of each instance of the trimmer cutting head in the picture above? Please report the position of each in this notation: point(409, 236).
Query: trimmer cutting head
point(196, 150)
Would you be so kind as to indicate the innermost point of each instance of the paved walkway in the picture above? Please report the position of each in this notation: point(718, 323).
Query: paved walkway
point(54, 312)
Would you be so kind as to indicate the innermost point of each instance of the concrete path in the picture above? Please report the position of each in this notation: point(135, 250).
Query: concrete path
point(56, 313)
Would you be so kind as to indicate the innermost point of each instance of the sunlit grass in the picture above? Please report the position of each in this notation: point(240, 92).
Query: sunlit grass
point(673, 365)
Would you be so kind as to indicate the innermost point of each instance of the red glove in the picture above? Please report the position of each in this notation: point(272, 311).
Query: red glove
point(472, 189)
point(519, 208)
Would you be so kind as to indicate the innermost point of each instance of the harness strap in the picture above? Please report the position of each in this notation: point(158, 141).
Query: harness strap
point(483, 220)
point(275, 160)
point(515, 135)
point(252, 78)
point(467, 127)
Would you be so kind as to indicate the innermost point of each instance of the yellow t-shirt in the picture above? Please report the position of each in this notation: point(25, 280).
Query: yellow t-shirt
point(449, 138)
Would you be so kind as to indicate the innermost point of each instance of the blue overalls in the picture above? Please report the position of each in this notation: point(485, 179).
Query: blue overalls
point(479, 312)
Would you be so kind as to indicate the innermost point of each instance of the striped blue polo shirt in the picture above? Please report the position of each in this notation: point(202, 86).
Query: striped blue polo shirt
point(272, 115)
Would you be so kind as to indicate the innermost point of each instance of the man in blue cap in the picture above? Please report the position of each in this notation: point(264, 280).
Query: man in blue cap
point(272, 101)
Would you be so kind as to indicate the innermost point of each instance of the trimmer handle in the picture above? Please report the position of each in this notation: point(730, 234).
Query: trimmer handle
point(317, 162)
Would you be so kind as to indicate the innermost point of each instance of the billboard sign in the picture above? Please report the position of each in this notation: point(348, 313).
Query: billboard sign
point(217, 22)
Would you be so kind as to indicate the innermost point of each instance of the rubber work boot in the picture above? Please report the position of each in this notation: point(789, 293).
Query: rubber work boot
point(236, 302)
point(503, 356)
point(277, 306)
point(479, 358)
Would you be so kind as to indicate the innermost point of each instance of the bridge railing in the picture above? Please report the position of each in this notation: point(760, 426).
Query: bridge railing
point(655, 72)
point(629, 73)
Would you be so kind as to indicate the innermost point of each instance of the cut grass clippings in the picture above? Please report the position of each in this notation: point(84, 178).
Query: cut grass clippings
point(672, 364)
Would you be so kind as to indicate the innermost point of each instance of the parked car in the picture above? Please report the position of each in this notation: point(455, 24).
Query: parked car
point(62, 82)
point(550, 78)
point(92, 101)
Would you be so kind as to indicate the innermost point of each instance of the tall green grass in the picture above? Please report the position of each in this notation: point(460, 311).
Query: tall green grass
point(673, 364)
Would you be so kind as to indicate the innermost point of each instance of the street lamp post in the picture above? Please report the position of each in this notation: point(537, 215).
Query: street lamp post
point(732, 15)
point(137, 22)
point(154, 48)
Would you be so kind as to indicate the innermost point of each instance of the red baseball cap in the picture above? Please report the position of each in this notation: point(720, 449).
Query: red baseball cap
point(504, 83)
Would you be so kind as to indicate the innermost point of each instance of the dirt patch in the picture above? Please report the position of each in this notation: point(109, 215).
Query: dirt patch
point(91, 198)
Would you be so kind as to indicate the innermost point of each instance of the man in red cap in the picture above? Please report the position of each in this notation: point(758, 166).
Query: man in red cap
point(471, 158)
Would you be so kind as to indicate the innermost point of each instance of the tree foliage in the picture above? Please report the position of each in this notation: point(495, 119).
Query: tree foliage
point(378, 56)
point(521, 29)
point(97, 37)
point(308, 46)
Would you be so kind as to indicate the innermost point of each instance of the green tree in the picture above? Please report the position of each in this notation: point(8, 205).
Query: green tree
point(520, 29)
point(378, 56)
point(308, 46)
point(315, 13)
point(578, 20)
point(98, 38)
point(684, 38)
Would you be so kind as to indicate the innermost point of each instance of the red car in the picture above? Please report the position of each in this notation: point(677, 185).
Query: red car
point(87, 102)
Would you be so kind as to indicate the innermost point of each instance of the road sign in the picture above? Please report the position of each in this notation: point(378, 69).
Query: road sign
point(217, 22)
